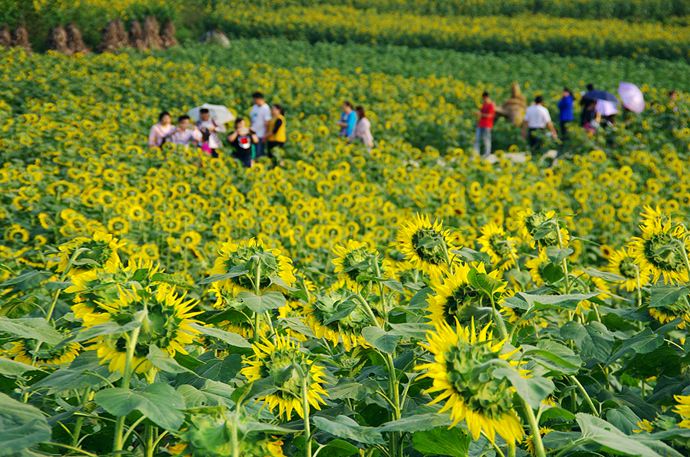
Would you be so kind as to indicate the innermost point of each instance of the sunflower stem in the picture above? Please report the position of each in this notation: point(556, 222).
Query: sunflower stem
point(257, 291)
point(539, 450)
point(500, 324)
point(584, 393)
point(305, 408)
point(564, 262)
point(638, 287)
point(685, 256)
point(126, 378)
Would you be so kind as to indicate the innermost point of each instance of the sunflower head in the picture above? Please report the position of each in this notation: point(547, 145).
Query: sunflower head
point(338, 316)
point(249, 261)
point(541, 228)
point(662, 247)
point(457, 297)
point(166, 323)
point(207, 436)
point(282, 361)
point(462, 374)
point(83, 254)
point(30, 352)
point(624, 263)
point(683, 410)
point(498, 245)
point(356, 263)
point(426, 245)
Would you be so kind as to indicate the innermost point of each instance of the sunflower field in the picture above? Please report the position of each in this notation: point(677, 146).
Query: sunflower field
point(412, 300)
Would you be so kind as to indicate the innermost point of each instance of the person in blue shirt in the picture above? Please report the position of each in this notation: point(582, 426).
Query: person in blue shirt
point(348, 120)
point(566, 112)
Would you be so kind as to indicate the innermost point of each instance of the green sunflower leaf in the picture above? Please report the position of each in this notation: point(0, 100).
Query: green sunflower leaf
point(33, 328)
point(159, 402)
point(662, 296)
point(12, 368)
point(452, 442)
point(533, 390)
point(346, 428)
point(383, 341)
point(262, 303)
point(21, 426)
point(233, 339)
point(610, 438)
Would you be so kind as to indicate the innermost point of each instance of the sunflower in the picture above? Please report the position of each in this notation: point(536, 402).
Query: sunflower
point(207, 436)
point(249, 260)
point(356, 263)
point(668, 313)
point(539, 229)
point(661, 247)
point(98, 252)
point(41, 355)
point(167, 324)
point(683, 410)
point(454, 298)
point(462, 375)
point(499, 246)
point(284, 362)
point(426, 245)
point(623, 263)
point(346, 328)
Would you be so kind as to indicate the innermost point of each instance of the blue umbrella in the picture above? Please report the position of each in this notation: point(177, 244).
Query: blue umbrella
point(601, 95)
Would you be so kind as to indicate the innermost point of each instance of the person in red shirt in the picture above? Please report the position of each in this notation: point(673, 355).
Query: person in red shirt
point(486, 123)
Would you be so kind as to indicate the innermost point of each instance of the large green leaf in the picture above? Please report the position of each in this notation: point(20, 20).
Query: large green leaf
point(536, 301)
point(262, 303)
point(164, 362)
point(453, 442)
point(31, 328)
point(417, 423)
point(344, 427)
point(159, 402)
point(533, 390)
point(380, 339)
point(610, 438)
point(233, 339)
point(554, 356)
point(594, 340)
point(12, 368)
point(644, 342)
point(21, 426)
point(27, 280)
point(661, 296)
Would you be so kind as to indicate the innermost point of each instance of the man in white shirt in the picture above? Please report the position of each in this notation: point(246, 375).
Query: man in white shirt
point(537, 119)
point(260, 116)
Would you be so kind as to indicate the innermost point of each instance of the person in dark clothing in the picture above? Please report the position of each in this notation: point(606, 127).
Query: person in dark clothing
point(243, 141)
point(588, 118)
point(566, 112)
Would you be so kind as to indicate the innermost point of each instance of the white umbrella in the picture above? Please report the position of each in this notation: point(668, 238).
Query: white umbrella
point(606, 108)
point(219, 113)
point(632, 97)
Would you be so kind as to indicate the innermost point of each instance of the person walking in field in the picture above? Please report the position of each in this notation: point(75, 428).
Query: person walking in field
point(160, 132)
point(277, 130)
point(260, 116)
point(348, 120)
point(183, 135)
point(243, 141)
point(566, 113)
point(537, 119)
point(362, 131)
point(485, 125)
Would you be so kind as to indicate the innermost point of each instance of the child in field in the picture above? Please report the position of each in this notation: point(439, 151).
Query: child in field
point(243, 141)
point(210, 142)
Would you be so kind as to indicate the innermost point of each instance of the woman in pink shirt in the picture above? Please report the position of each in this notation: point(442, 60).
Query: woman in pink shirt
point(161, 132)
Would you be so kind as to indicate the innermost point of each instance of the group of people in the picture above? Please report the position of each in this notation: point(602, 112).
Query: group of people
point(265, 131)
point(268, 130)
point(536, 121)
